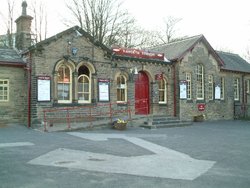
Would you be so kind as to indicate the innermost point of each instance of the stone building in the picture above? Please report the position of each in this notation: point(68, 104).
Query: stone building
point(209, 83)
point(13, 90)
point(71, 70)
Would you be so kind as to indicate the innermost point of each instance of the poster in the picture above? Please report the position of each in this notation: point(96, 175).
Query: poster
point(183, 89)
point(43, 88)
point(217, 92)
point(103, 86)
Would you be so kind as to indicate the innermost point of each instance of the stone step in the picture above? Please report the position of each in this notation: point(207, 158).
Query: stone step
point(164, 122)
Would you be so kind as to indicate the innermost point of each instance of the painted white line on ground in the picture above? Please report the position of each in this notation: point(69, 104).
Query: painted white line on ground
point(15, 144)
point(165, 163)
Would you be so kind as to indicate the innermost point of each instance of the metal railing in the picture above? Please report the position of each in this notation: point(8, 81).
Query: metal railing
point(99, 113)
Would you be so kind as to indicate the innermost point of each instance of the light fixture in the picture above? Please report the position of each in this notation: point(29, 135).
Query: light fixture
point(133, 70)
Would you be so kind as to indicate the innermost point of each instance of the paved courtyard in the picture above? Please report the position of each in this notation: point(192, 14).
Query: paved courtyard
point(207, 154)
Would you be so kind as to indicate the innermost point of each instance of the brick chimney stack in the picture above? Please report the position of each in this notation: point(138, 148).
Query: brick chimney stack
point(23, 29)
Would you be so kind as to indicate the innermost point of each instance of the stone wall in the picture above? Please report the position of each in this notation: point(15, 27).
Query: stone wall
point(44, 60)
point(215, 109)
point(15, 110)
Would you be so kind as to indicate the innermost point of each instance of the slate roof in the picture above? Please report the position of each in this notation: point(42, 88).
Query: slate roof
point(175, 51)
point(10, 57)
point(75, 29)
point(233, 62)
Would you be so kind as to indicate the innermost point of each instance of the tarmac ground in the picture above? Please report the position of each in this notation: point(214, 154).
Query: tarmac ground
point(206, 154)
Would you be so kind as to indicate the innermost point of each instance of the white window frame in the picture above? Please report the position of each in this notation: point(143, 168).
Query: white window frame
point(200, 82)
point(164, 90)
point(70, 84)
point(4, 93)
point(123, 87)
point(189, 84)
point(247, 86)
point(236, 89)
point(210, 87)
point(84, 92)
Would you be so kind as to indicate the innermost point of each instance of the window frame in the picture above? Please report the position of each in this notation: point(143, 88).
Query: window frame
point(164, 90)
point(83, 92)
point(189, 85)
point(7, 87)
point(210, 87)
point(70, 84)
point(118, 87)
point(199, 82)
point(236, 89)
point(248, 86)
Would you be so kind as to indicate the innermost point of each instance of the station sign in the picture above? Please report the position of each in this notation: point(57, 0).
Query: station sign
point(143, 54)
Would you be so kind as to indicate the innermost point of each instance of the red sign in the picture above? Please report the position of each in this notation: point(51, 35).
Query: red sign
point(201, 107)
point(138, 53)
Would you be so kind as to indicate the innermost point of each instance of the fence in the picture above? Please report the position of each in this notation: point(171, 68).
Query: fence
point(241, 111)
point(101, 113)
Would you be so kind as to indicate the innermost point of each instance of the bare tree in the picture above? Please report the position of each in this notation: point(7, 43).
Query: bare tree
point(168, 34)
point(40, 22)
point(105, 20)
point(9, 24)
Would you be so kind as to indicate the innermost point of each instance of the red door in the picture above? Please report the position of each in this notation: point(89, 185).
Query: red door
point(142, 94)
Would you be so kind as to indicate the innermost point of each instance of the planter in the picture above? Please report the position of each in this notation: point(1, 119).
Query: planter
point(120, 126)
point(199, 118)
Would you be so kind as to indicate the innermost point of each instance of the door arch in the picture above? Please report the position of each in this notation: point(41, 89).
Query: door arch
point(142, 93)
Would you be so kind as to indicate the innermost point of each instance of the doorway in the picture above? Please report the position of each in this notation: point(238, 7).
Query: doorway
point(142, 93)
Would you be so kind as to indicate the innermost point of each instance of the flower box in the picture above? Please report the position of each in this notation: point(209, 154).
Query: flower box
point(120, 126)
point(199, 118)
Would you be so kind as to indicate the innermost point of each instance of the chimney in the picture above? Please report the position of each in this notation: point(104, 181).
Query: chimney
point(23, 29)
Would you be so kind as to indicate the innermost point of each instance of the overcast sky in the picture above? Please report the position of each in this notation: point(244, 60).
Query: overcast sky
point(224, 23)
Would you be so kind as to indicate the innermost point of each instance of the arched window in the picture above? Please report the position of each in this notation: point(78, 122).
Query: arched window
point(162, 87)
point(84, 85)
point(64, 84)
point(121, 88)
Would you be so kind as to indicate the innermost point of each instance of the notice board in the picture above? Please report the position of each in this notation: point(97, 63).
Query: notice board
point(103, 90)
point(43, 88)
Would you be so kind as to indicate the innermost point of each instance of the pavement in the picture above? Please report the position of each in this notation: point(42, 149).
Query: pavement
point(206, 154)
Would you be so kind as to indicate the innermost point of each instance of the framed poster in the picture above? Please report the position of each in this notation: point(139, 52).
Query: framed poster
point(183, 89)
point(43, 88)
point(103, 89)
point(217, 92)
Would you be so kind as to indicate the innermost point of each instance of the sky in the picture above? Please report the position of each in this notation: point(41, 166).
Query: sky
point(224, 23)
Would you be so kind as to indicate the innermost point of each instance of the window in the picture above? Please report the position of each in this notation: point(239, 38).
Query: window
point(4, 90)
point(189, 89)
point(64, 84)
point(210, 87)
point(247, 89)
point(236, 89)
point(222, 91)
point(162, 86)
point(200, 82)
point(121, 88)
point(84, 85)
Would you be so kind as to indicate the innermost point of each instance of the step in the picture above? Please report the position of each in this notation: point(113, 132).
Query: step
point(160, 121)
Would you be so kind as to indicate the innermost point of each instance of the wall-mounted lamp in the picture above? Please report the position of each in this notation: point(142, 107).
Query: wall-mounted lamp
point(134, 70)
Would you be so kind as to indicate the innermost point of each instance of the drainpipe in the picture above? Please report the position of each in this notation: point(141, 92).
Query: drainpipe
point(243, 95)
point(174, 78)
point(29, 89)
